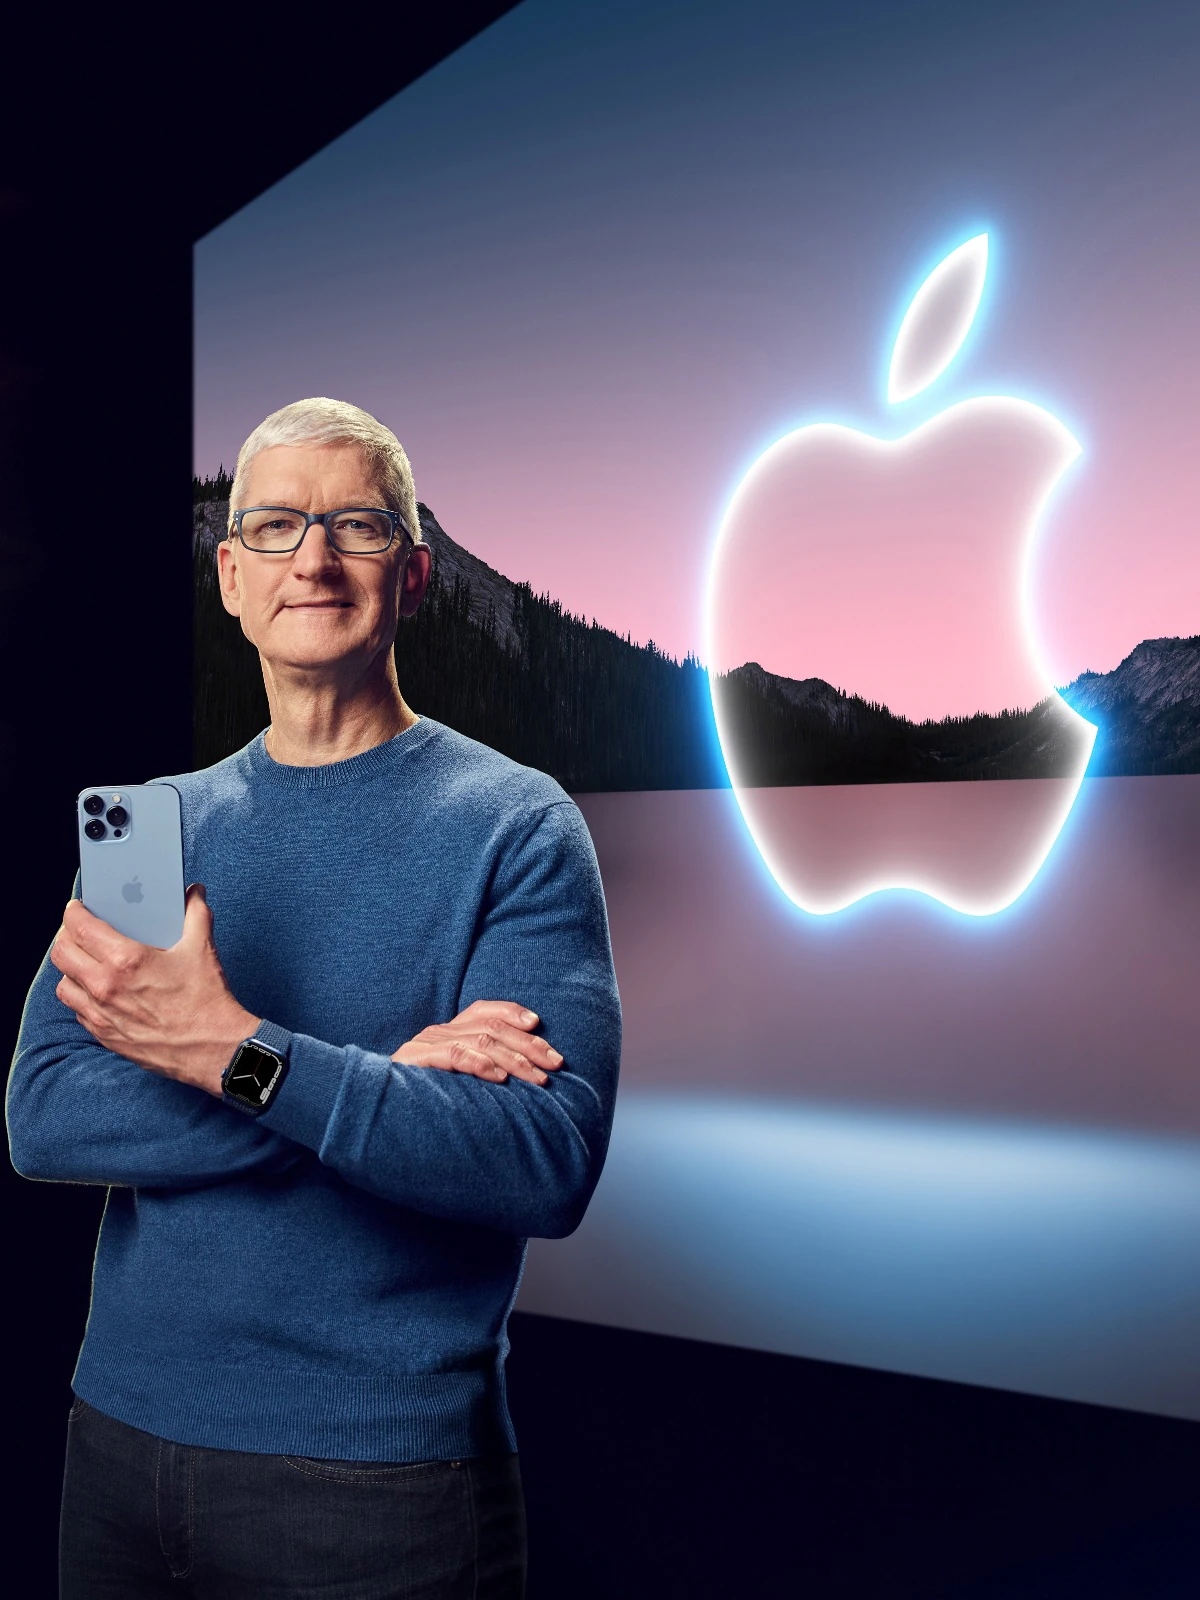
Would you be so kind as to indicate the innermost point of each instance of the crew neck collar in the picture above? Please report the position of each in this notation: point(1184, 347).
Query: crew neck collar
point(379, 760)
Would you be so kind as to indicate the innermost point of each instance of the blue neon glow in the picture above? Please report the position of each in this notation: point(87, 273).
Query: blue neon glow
point(949, 296)
point(953, 289)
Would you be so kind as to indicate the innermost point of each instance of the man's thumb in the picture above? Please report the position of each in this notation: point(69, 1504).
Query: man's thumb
point(197, 918)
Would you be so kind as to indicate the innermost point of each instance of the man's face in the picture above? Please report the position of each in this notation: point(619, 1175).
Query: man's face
point(316, 609)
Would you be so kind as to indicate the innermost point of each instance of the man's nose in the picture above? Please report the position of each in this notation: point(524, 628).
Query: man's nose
point(314, 554)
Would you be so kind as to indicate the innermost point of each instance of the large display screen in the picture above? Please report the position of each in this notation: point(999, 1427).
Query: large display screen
point(802, 403)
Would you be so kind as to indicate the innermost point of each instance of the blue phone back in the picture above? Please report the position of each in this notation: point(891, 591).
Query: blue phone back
point(134, 878)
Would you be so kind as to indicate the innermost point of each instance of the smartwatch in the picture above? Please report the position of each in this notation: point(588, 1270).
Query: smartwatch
point(252, 1079)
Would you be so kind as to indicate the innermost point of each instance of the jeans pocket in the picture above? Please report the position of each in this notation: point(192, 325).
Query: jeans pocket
point(366, 1474)
point(78, 1407)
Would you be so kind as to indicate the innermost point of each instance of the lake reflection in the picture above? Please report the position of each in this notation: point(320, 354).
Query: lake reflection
point(974, 846)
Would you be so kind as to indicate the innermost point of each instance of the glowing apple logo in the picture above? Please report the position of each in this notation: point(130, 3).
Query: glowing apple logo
point(887, 577)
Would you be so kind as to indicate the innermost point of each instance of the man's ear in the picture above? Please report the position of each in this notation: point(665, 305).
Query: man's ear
point(414, 578)
point(231, 596)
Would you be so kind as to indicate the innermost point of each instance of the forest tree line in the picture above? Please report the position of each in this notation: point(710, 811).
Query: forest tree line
point(573, 698)
point(599, 712)
point(779, 739)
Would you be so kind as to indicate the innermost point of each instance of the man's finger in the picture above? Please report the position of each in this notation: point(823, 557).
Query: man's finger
point(451, 1056)
point(478, 1055)
point(529, 1045)
point(476, 1026)
point(488, 1043)
point(73, 995)
point(95, 936)
point(197, 915)
point(69, 956)
point(80, 920)
point(514, 1063)
point(504, 1010)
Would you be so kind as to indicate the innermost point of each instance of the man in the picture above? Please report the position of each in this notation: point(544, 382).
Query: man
point(292, 1377)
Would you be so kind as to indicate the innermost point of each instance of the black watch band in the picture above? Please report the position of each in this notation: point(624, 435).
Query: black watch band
point(253, 1078)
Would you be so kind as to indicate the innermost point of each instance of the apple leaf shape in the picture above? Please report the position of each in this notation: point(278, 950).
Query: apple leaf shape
point(938, 320)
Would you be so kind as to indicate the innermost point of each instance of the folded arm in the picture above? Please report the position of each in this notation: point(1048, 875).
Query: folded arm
point(510, 1139)
point(79, 1113)
point(519, 1155)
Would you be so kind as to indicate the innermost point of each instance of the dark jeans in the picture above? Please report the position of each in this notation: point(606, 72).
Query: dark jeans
point(143, 1517)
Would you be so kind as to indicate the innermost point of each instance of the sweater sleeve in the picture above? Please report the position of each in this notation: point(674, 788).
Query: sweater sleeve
point(514, 1156)
point(77, 1113)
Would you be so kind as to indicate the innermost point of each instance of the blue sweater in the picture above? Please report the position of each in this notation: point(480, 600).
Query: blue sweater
point(334, 1278)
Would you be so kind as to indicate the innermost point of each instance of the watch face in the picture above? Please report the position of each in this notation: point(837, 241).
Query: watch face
point(253, 1074)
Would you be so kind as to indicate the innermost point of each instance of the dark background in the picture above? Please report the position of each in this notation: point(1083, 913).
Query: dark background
point(653, 1466)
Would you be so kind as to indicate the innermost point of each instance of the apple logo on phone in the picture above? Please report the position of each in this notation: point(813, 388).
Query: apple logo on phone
point(132, 891)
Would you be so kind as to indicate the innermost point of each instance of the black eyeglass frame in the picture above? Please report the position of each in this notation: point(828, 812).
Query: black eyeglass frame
point(395, 520)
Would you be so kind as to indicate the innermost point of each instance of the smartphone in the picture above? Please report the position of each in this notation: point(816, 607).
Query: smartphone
point(131, 859)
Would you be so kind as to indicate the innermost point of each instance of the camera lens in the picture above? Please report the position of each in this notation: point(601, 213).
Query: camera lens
point(95, 829)
point(118, 816)
point(93, 805)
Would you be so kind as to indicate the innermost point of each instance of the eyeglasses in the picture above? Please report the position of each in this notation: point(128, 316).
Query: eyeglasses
point(352, 531)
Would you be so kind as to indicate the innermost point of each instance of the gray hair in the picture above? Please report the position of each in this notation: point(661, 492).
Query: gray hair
point(322, 421)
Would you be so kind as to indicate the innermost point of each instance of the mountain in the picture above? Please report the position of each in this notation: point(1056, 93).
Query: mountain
point(505, 666)
point(1147, 709)
point(807, 695)
point(789, 731)
point(803, 730)
point(513, 669)
point(209, 518)
point(485, 587)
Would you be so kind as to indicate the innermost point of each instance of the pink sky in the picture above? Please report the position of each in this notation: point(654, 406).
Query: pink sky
point(590, 286)
point(602, 478)
point(893, 569)
point(622, 531)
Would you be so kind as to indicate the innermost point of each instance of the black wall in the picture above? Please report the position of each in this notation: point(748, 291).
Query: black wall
point(653, 1466)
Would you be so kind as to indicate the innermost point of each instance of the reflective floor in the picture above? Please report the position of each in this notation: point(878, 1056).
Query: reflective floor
point(1053, 1261)
point(954, 1146)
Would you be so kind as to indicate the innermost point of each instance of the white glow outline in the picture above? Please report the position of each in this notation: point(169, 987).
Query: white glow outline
point(1073, 450)
point(976, 250)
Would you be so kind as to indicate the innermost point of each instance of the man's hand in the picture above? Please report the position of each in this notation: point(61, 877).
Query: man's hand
point(169, 1011)
point(491, 1039)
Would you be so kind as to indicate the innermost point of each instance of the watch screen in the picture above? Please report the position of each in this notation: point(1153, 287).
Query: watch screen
point(253, 1074)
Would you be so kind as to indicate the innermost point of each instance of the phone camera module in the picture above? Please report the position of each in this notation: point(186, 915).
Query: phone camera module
point(94, 805)
point(95, 829)
point(118, 816)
